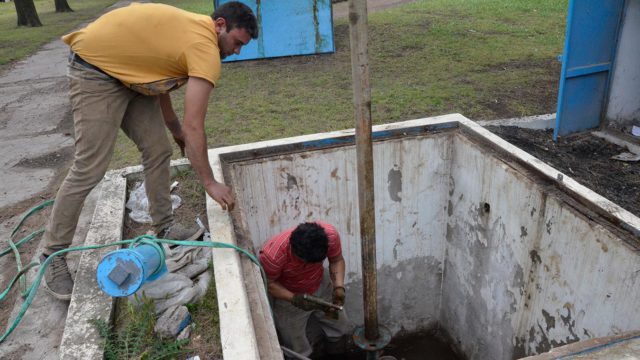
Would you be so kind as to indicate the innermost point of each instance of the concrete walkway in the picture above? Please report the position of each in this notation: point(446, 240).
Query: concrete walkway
point(36, 129)
point(38, 335)
point(35, 124)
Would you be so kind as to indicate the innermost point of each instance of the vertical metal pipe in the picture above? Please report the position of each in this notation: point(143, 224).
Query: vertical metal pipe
point(364, 150)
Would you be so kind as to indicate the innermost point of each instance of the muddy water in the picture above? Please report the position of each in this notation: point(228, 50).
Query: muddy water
point(416, 346)
point(420, 346)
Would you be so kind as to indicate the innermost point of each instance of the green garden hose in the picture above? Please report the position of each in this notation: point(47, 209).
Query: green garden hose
point(30, 292)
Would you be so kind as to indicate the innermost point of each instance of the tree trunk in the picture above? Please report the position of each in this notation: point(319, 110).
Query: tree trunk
point(63, 6)
point(27, 14)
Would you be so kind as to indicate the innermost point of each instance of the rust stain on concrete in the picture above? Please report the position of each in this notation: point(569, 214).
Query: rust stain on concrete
point(334, 174)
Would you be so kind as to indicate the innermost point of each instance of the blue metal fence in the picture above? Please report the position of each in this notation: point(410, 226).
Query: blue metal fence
point(589, 51)
point(289, 27)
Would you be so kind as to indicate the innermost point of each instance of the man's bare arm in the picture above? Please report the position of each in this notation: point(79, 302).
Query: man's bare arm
point(336, 271)
point(196, 100)
point(171, 120)
point(278, 291)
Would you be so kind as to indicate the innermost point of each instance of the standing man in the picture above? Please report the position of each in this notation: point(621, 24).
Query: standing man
point(121, 69)
point(292, 261)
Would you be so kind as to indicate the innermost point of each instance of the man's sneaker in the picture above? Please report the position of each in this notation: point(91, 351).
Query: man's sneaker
point(176, 231)
point(57, 279)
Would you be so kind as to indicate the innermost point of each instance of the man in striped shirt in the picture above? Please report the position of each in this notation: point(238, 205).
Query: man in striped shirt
point(293, 262)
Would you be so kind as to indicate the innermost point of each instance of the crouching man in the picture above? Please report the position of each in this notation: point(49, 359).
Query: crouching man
point(293, 263)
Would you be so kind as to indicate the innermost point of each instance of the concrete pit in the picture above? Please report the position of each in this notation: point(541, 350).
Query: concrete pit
point(476, 239)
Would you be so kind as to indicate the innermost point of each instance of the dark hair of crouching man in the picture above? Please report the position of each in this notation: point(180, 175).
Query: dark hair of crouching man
point(293, 261)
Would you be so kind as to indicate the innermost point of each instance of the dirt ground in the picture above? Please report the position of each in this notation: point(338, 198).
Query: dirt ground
point(541, 94)
point(205, 340)
point(586, 159)
point(33, 223)
point(193, 205)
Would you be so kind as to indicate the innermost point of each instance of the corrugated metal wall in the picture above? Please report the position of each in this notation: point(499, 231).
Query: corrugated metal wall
point(288, 28)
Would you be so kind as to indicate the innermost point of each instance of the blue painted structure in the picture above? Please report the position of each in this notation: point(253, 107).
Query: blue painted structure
point(122, 272)
point(287, 28)
point(587, 62)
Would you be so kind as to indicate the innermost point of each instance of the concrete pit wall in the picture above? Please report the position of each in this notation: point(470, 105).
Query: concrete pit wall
point(624, 104)
point(279, 192)
point(527, 269)
point(475, 236)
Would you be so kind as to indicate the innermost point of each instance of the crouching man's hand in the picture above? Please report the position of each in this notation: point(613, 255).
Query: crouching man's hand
point(338, 297)
point(339, 294)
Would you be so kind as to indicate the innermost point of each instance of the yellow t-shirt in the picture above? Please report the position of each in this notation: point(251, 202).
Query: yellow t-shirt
point(150, 48)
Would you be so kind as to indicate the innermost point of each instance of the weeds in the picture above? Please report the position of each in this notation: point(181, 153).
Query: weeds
point(206, 332)
point(136, 339)
point(133, 337)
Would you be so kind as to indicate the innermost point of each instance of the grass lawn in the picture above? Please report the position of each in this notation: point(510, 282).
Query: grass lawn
point(486, 59)
point(18, 42)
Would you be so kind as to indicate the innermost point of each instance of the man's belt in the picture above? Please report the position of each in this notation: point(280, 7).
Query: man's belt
point(75, 58)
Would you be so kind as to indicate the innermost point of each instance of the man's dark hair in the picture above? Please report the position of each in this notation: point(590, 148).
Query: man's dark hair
point(309, 242)
point(237, 15)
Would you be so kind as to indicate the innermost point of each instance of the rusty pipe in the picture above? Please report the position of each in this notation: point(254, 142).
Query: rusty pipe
point(325, 304)
point(364, 151)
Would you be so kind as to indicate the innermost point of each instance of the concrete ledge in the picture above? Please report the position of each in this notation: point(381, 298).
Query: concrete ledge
point(81, 339)
point(617, 347)
point(613, 137)
point(237, 333)
point(629, 221)
point(626, 219)
point(537, 122)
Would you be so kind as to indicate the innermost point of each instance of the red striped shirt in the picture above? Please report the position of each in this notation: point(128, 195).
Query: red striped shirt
point(297, 276)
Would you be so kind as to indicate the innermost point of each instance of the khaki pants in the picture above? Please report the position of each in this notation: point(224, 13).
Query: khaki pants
point(101, 105)
point(291, 322)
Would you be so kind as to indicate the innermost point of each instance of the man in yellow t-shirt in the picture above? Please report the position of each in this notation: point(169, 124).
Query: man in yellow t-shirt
point(121, 70)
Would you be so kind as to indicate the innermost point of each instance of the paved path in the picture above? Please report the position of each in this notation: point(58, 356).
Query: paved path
point(36, 130)
point(36, 133)
point(38, 335)
point(35, 124)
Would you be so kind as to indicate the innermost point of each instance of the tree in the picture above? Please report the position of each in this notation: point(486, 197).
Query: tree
point(63, 6)
point(27, 14)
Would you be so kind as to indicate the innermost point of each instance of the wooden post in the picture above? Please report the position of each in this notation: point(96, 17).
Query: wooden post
point(364, 150)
